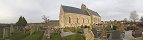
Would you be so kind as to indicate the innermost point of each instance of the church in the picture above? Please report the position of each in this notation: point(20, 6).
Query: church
point(77, 17)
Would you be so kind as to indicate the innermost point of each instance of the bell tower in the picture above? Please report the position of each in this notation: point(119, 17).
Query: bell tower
point(83, 7)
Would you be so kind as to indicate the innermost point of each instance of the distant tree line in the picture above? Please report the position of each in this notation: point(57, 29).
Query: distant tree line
point(141, 22)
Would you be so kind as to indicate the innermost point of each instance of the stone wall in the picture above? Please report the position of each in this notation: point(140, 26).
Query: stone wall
point(75, 20)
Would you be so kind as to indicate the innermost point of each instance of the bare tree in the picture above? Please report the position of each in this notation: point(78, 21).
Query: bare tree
point(47, 31)
point(125, 19)
point(141, 19)
point(141, 22)
point(134, 16)
point(45, 18)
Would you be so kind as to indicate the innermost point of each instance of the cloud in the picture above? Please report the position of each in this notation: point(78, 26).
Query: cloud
point(32, 10)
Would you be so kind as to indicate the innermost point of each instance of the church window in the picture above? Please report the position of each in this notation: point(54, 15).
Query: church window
point(77, 20)
point(83, 20)
point(69, 20)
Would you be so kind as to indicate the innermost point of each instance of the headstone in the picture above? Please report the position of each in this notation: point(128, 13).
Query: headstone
point(32, 30)
point(11, 29)
point(5, 32)
point(116, 35)
point(95, 33)
point(88, 34)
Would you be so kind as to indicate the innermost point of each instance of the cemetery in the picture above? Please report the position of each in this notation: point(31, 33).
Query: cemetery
point(98, 20)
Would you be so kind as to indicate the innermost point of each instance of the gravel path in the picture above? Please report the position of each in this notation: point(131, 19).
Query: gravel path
point(128, 35)
point(63, 34)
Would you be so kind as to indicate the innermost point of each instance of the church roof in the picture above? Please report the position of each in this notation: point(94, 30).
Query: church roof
point(73, 10)
point(77, 10)
point(94, 13)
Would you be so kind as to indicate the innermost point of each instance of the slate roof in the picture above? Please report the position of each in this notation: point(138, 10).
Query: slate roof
point(94, 13)
point(77, 10)
point(73, 10)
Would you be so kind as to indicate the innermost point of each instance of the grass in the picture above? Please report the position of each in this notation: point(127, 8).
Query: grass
point(55, 36)
point(1, 32)
point(74, 37)
point(18, 35)
point(35, 36)
point(76, 30)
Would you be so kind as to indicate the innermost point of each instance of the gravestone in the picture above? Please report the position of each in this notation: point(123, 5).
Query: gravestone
point(32, 30)
point(5, 32)
point(88, 34)
point(95, 32)
point(116, 35)
point(11, 29)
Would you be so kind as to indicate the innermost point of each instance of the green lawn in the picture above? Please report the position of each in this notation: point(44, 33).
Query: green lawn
point(35, 36)
point(18, 35)
point(74, 37)
point(76, 30)
point(55, 36)
point(1, 32)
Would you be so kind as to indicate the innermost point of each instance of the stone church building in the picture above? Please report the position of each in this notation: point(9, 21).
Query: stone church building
point(75, 17)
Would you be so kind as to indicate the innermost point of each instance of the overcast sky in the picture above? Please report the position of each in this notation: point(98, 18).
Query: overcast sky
point(32, 10)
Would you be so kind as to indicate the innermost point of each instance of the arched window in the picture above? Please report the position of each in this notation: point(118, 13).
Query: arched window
point(87, 21)
point(69, 20)
point(83, 20)
point(95, 19)
point(77, 20)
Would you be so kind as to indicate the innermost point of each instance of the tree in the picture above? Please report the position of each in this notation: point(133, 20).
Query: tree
point(141, 19)
point(141, 24)
point(134, 16)
point(125, 19)
point(24, 21)
point(45, 19)
point(21, 21)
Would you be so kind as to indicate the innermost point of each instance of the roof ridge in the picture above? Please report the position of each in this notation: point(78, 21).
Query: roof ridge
point(77, 10)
